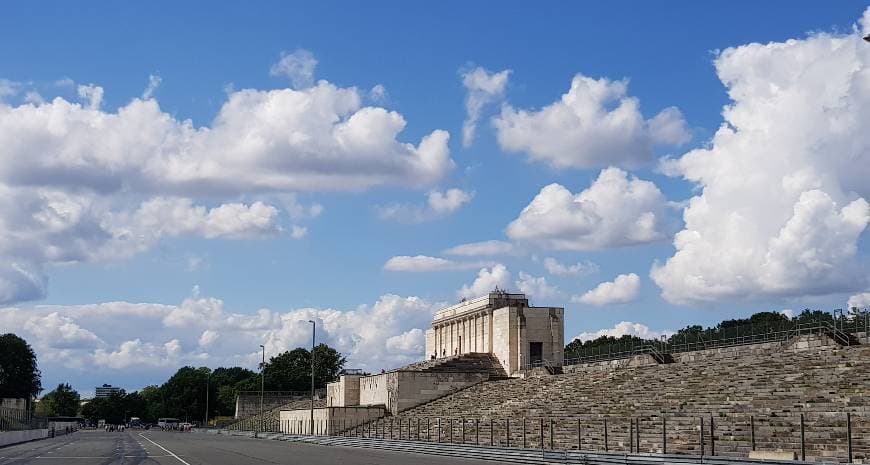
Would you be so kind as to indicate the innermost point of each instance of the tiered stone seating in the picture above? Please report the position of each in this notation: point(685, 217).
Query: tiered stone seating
point(477, 362)
point(768, 388)
point(271, 417)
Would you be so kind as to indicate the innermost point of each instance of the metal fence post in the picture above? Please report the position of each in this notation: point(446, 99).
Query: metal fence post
point(552, 429)
point(450, 430)
point(752, 430)
point(630, 435)
point(579, 435)
point(491, 432)
point(664, 436)
point(849, 433)
point(428, 431)
point(524, 432)
point(542, 434)
point(463, 429)
point(701, 435)
point(508, 431)
point(637, 436)
point(606, 446)
point(439, 429)
point(803, 444)
point(477, 431)
point(712, 437)
point(418, 428)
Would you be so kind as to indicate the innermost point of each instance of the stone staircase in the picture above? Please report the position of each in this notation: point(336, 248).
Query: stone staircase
point(756, 395)
point(269, 421)
point(476, 362)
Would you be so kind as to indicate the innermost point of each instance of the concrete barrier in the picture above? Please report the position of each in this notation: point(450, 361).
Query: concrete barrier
point(7, 438)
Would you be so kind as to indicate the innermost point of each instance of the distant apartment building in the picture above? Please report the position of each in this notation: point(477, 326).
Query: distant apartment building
point(106, 390)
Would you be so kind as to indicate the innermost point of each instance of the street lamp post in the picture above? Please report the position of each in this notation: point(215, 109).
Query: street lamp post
point(262, 383)
point(313, 327)
point(207, 380)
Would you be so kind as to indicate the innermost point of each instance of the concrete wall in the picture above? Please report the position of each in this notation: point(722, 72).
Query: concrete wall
point(12, 402)
point(504, 337)
point(416, 387)
point(344, 392)
point(374, 390)
point(546, 325)
point(401, 390)
point(328, 420)
point(14, 437)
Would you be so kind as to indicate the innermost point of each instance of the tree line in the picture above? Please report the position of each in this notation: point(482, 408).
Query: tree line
point(181, 396)
point(758, 323)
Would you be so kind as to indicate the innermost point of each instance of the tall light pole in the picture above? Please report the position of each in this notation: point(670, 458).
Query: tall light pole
point(313, 327)
point(207, 380)
point(262, 383)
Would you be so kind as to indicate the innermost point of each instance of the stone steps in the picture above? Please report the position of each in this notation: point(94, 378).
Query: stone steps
point(773, 385)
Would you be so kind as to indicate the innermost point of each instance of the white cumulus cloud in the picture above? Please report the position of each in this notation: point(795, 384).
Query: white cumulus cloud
point(482, 88)
point(783, 185)
point(484, 248)
point(81, 183)
point(297, 66)
point(595, 124)
point(624, 328)
point(425, 263)
point(624, 289)
point(584, 268)
point(487, 280)
point(438, 205)
point(616, 210)
point(537, 287)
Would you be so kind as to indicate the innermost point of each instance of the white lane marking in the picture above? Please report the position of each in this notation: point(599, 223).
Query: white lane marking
point(164, 449)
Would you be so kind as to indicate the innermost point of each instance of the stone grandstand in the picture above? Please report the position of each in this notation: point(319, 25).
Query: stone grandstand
point(753, 393)
point(800, 393)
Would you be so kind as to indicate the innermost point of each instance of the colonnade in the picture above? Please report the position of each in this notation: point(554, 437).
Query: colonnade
point(471, 332)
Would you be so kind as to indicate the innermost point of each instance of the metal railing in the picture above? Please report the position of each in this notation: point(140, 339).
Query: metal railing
point(840, 328)
point(830, 436)
point(13, 419)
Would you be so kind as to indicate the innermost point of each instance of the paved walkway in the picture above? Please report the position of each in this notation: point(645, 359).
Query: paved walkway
point(134, 447)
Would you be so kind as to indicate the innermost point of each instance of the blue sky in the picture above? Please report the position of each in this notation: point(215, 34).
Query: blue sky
point(200, 54)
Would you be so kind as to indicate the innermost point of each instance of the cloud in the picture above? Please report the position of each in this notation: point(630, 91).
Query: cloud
point(424, 263)
point(482, 88)
point(298, 232)
point(487, 280)
point(624, 289)
point(153, 83)
point(584, 268)
point(860, 301)
point(624, 328)
point(483, 248)
point(79, 183)
point(92, 95)
point(616, 210)
point(142, 341)
point(782, 185)
point(378, 94)
point(296, 209)
point(297, 66)
point(537, 287)
point(8, 88)
point(439, 204)
point(595, 124)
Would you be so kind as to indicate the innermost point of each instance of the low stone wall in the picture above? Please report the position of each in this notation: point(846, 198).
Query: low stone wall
point(401, 390)
point(248, 405)
point(8, 438)
point(328, 420)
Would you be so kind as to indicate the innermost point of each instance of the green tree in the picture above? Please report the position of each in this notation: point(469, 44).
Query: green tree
point(19, 375)
point(291, 370)
point(63, 401)
point(183, 394)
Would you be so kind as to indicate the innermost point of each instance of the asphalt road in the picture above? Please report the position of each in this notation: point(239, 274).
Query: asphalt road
point(89, 447)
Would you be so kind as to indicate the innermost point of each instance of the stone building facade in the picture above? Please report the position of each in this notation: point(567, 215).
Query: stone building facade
point(501, 324)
